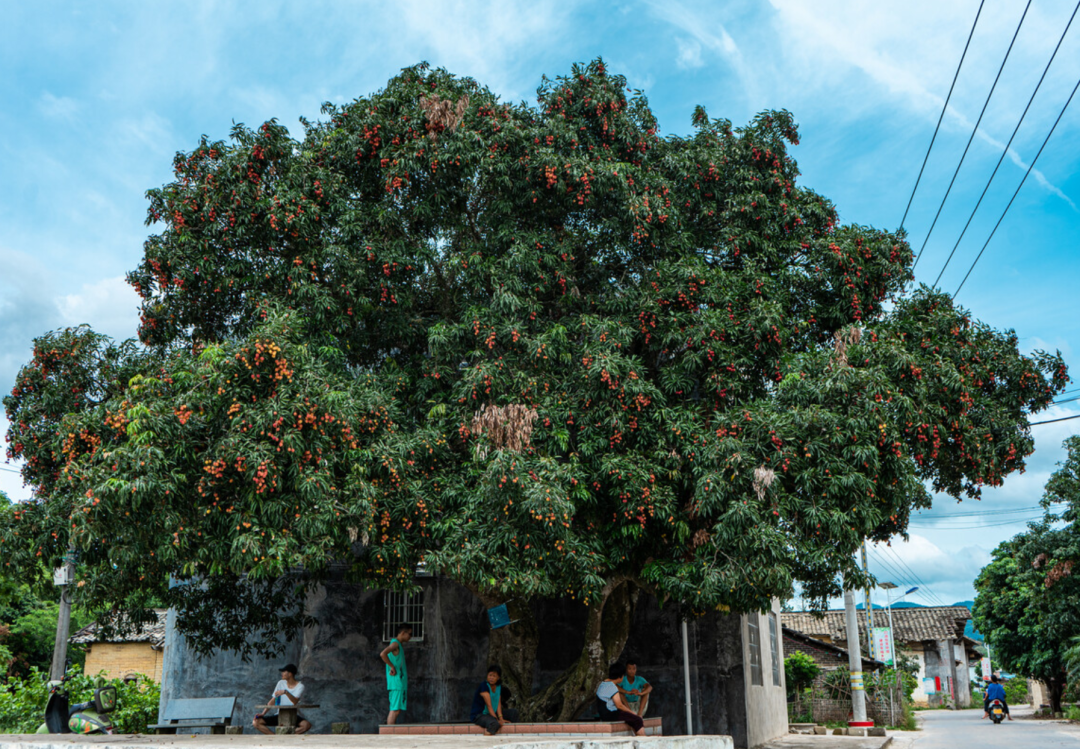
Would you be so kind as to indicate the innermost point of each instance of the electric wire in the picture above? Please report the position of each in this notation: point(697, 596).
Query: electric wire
point(1022, 181)
point(907, 581)
point(977, 513)
point(904, 565)
point(943, 110)
point(1053, 421)
point(9, 470)
point(972, 526)
point(898, 578)
point(904, 577)
point(974, 131)
point(1005, 151)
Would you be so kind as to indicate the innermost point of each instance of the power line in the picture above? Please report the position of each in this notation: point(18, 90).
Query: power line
point(943, 110)
point(1052, 421)
point(1005, 151)
point(900, 577)
point(972, 526)
point(980, 513)
point(974, 130)
point(904, 565)
point(908, 576)
point(9, 470)
point(1032, 166)
point(1067, 400)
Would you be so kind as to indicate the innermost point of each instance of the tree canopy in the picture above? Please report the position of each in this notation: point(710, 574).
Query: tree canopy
point(1027, 602)
point(542, 349)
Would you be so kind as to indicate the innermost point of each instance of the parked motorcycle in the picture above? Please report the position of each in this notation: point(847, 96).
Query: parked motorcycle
point(82, 717)
point(997, 711)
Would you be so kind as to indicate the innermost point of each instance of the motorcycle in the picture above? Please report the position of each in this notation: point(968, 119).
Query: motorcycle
point(997, 711)
point(82, 717)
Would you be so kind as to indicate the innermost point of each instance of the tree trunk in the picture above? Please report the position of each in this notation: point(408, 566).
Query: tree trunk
point(513, 648)
point(1056, 688)
point(606, 631)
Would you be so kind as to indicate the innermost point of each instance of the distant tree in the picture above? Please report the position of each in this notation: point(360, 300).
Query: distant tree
point(1027, 601)
point(541, 349)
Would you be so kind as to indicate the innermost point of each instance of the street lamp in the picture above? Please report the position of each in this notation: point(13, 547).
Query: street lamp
point(887, 587)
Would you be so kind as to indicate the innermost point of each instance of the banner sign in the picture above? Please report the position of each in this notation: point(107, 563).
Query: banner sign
point(883, 644)
point(986, 669)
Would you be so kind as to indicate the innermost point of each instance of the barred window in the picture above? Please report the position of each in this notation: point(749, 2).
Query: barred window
point(403, 608)
point(754, 638)
point(774, 641)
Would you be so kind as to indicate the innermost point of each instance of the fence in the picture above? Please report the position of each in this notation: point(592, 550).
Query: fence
point(829, 698)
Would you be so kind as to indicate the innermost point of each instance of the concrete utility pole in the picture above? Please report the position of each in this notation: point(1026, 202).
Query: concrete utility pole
point(63, 578)
point(686, 679)
point(869, 607)
point(858, 695)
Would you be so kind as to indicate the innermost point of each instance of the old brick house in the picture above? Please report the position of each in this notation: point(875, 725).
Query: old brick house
point(932, 635)
point(125, 655)
point(827, 656)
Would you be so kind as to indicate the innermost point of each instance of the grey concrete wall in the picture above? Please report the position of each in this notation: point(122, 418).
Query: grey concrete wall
point(339, 664)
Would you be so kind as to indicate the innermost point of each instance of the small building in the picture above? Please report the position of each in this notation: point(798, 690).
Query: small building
point(932, 635)
point(125, 655)
point(827, 656)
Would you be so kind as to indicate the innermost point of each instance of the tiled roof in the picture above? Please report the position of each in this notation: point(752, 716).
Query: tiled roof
point(152, 633)
point(869, 664)
point(914, 624)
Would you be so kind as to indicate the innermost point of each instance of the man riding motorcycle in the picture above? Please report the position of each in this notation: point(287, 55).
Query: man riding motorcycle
point(994, 691)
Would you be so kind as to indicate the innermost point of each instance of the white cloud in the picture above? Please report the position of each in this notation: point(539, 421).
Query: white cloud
point(109, 306)
point(689, 56)
point(58, 107)
point(707, 32)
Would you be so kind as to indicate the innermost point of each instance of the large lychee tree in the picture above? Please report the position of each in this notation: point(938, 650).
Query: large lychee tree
point(544, 350)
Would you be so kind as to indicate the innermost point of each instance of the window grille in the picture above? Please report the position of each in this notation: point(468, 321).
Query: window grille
point(754, 637)
point(403, 608)
point(774, 640)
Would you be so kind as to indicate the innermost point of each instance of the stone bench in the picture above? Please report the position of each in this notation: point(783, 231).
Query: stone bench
point(584, 729)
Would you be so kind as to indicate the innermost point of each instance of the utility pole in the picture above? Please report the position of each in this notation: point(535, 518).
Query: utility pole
point(62, 578)
point(686, 679)
point(869, 607)
point(858, 694)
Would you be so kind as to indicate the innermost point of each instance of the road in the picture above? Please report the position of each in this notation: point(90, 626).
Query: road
point(958, 729)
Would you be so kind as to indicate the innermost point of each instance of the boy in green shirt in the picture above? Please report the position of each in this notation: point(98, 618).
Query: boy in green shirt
point(397, 676)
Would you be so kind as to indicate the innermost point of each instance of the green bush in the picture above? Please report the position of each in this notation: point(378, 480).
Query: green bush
point(800, 670)
point(1016, 691)
point(22, 701)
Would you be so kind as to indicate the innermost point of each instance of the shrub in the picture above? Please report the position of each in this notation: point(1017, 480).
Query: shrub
point(800, 671)
point(22, 701)
point(1016, 690)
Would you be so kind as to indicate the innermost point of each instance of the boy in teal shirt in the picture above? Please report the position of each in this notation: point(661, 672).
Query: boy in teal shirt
point(635, 690)
point(397, 675)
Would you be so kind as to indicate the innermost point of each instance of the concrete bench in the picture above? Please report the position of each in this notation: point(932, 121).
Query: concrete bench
point(214, 713)
point(584, 729)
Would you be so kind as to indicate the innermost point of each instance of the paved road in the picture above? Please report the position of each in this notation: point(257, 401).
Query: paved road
point(949, 729)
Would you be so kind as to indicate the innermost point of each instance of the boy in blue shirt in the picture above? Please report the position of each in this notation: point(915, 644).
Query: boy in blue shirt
point(994, 691)
point(635, 690)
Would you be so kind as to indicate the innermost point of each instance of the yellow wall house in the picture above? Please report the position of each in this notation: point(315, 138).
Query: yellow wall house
point(126, 655)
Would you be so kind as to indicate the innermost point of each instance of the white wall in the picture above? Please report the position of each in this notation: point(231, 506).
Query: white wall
point(766, 705)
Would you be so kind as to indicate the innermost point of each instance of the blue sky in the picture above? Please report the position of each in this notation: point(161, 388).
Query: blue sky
point(97, 98)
